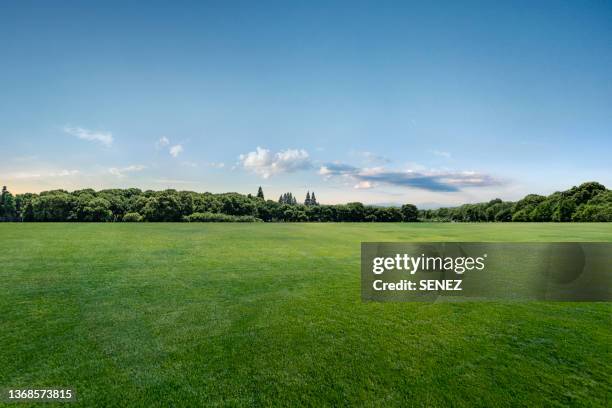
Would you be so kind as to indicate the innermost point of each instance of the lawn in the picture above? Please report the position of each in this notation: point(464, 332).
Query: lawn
point(270, 314)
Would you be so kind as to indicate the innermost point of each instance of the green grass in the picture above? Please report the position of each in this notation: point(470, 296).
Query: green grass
point(270, 314)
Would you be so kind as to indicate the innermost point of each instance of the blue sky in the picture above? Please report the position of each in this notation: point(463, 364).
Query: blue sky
point(382, 102)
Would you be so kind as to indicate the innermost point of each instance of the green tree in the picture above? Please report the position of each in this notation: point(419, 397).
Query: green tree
point(564, 210)
point(96, 210)
point(409, 213)
point(260, 193)
point(8, 210)
point(313, 199)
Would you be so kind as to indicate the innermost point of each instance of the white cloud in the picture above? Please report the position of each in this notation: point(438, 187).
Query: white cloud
point(65, 173)
point(120, 172)
point(176, 150)
point(42, 174)
point(162, 142)
point(364, 185)
point(439, 153)
point(265, 163)
point(372, 158)
point(105, 138)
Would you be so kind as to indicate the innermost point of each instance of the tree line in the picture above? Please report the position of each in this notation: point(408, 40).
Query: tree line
point(134, 205)
point(587, 202)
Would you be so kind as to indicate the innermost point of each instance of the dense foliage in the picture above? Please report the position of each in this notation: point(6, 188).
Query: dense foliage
point(587, 202)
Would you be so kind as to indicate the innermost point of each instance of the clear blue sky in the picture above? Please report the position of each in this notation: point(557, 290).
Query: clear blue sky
point(383, 102)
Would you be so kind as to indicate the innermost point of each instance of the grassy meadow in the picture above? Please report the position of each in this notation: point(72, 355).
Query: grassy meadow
point(261, 314)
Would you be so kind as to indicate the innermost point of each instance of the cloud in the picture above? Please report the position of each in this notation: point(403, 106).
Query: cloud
point(439, 153)
point(214, 165)
point(65, 173)
point(176, 150)
point(364, 185)
point(430, 180)
point(162, 142)
point(120, 172)
point(105, 138)
point(42, 174)
point(265, 163)
point(188, 163)
point(337, 169)
point(373, 158)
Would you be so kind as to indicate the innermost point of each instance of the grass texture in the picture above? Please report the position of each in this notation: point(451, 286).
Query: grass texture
point(186, 315)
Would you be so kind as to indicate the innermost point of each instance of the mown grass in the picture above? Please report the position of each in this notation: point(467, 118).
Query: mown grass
point(270, 314)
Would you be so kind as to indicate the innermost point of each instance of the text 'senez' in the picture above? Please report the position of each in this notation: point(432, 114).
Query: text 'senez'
point(486, 271)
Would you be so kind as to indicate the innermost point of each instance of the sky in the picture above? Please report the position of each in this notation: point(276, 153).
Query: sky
point(431, 103)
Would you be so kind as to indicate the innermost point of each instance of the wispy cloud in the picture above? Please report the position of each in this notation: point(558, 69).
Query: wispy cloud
point(337, 169)
point(265, 163)
point(120, 172)
point(104, 138)
point(372, 158)
point(162, 142)
point(42, 174)
point(431, 180)
point(176, 150)
point(188, 163)
point(439, 153)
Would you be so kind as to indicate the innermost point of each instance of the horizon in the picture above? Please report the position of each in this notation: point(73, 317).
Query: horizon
point(423, 206)
point(431, 104)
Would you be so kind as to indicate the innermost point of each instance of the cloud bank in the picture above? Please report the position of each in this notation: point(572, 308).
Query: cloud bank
point(430, 180)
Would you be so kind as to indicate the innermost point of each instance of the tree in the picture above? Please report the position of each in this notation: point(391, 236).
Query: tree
point(587, 202)
point(409, 213)
point(564, 210)
point(260, 193)
point(313, 199)
point(597, 209)
point(8, 210)
point(288, 199)
point(165, 206)
point(96, 210)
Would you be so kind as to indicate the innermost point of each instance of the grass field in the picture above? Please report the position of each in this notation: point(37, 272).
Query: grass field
point(270, 314)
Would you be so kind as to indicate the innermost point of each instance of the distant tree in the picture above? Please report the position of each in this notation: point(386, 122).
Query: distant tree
point(92, 209)
point(409, 213)
point(288, 199)
point(54, 206)
point(237, 204)
point(8, 210)
point(588, 202)
point(313, 199)
point(597, 209)
point(382, 214)
point(565, 209)
point(260, 193)
point(164, 206)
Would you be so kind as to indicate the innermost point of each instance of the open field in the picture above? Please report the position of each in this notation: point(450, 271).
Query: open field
point(270, 314)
